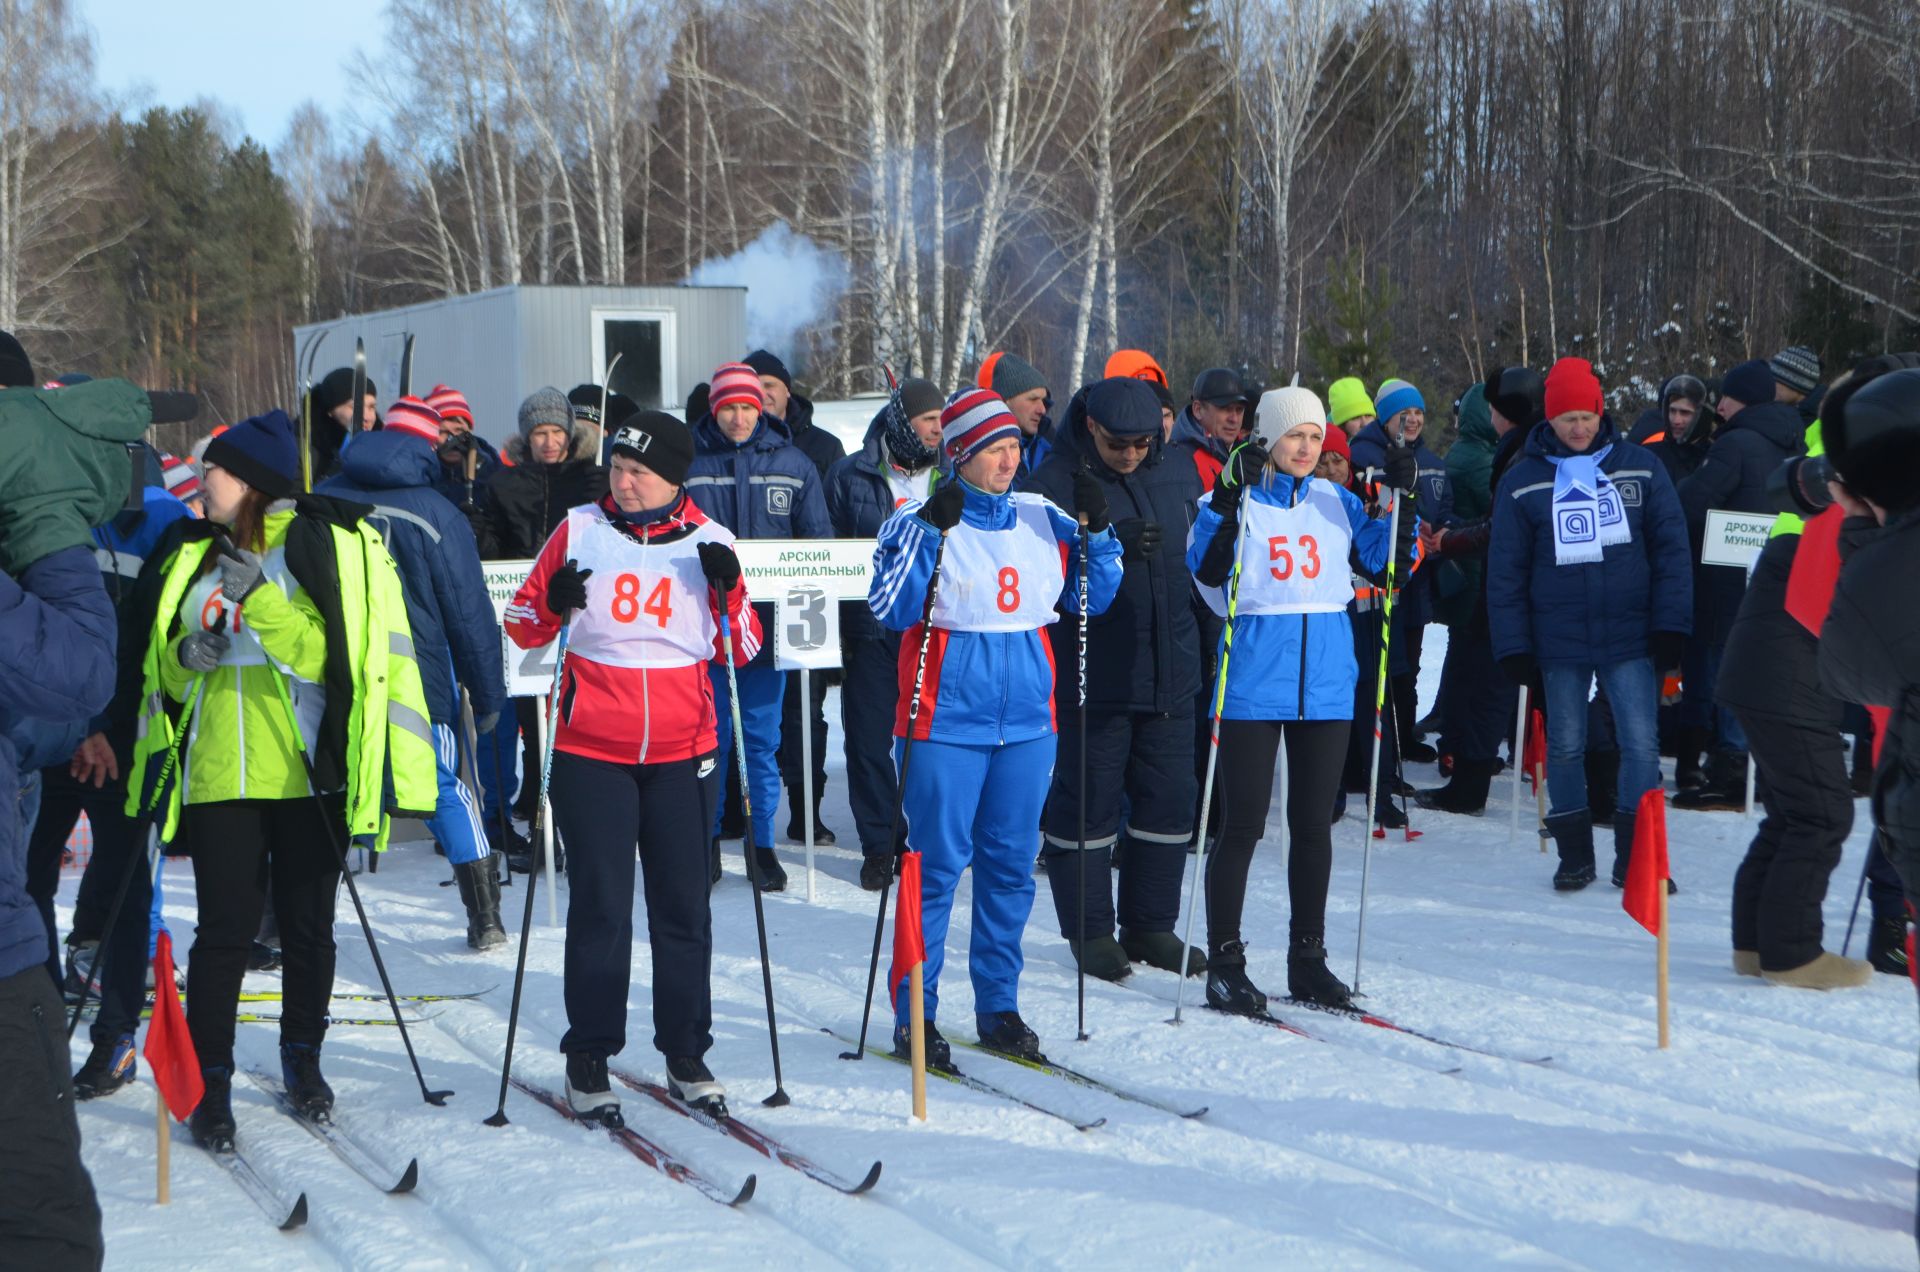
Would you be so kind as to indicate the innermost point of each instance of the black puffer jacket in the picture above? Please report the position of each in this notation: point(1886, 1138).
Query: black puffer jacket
point(859, 501)
point(1771, 665)
point(1870, 652)
point(1733, 478)
point(816, 443)
point(1143, 653)
point(529, 498)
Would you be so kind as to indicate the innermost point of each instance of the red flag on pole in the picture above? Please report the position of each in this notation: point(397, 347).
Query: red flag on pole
point(909, 947)
point(169, 1049)
point(1533, 754)
point(1647, 870)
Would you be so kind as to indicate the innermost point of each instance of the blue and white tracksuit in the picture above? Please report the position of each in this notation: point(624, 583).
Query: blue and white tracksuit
point(984, 733)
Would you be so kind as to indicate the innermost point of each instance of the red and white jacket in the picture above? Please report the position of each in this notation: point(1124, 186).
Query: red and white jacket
point(635, 686)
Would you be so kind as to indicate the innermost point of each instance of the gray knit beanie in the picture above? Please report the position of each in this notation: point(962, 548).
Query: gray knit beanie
point(545, 406)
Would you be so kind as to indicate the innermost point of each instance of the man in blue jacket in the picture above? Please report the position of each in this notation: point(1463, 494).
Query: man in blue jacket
point(1588, 576)
point(456, 639)
point(1143, 674)
point(57, 627)
point(748, 476)
point(900, 461)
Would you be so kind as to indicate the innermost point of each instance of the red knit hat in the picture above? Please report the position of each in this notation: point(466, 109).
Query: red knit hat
point(181, 481)
point(450, 402)
point(412, 416)
point(1572, 386)
point(1336, 441)
point(971, 419)
point(735, 382)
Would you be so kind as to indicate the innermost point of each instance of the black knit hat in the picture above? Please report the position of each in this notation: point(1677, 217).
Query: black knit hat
point(918, 397)
point(659, 441)
point(337, 390)
point(697, 404)
point(1872, 434)
point(1518, 393)
point(585, 401)
point(262, 452)
point(764, 363)
point(16, 368)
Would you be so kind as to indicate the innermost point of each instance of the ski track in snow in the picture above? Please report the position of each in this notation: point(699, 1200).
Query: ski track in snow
point(1778, 1132)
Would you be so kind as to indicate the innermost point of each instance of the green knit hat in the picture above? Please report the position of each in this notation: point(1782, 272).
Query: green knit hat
point(1348, 399)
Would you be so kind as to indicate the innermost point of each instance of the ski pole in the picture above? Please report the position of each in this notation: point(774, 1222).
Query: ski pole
point(1866, 864)
point(353, 890)
point(1379, 706)
point(900, 793)
point(779, 1096)
point(499, 1116)
point(1213, 760)
point(143, 827)
point(1080, 923)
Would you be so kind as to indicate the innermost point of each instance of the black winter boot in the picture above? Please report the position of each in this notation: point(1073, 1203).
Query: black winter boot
point(112, 1065)
point(1466, 793)
point(1623, 828)
point(1065, 874)
point(212, 1120)
point(1573, 835)
point(1103, 957)
point(1228, 988)
point(1725, 789)
point(773, 876)
point(480, 893)
point(875, 872)
point(1886, 945)
point(1603, 779)
point(589, 1094)
point(1687, 770)
point(1162, 950)
point(307, 1091)
point(1006, 1033)
point(1308, 978)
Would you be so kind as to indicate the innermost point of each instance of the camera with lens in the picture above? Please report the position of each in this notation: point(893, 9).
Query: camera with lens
point(1799, 486)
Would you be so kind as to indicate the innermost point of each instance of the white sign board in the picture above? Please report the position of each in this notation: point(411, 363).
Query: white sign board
point(839, 567)
point(1735, 538)
point(529, 671)
point(806, 628)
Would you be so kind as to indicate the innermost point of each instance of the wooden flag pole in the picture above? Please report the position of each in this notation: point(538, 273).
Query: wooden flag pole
point(1540, 798)
point(1661, 956)
point(917, 1028)
point(162, 1160)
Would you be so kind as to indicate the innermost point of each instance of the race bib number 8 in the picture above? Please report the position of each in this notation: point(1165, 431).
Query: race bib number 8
point(1008, 598)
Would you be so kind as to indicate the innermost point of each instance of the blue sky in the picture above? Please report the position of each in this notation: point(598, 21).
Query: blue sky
point(260, 58)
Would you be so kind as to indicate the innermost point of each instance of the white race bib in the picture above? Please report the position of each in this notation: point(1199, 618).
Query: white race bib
point(1296, 560)
point(647, 605)
point(1001, 580)
point(205, 601)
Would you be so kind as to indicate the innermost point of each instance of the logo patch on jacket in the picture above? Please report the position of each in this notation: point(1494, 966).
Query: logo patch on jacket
point(1629, 492)
point(780, 501)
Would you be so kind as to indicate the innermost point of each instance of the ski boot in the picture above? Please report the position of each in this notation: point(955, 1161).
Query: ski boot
point(110, 1066)
point(773, 876)
point(693, 1084)
point(1228, 988)
point(1308, 979)
point(307, 1091)
point(1725, 788)
point(212, 1120)
point(875, 873)
point(1004, 1032)
point(1162, 950)
point(480, 893)
point(589, 1094)
point(939, 1050)
point(263, 958)
point(1887, 944)
point(1573, 835)
point(80, 957)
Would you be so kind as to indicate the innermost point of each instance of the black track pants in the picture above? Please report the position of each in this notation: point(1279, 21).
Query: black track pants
point(1316, 751)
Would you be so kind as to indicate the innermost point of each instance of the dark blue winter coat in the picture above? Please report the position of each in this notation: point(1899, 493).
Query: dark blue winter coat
point(1143, 652)
point(762, 488)
point(1598, 613)
point(859, 501)
point(1746, 452)
point(57, 627)
point(1434, 495)
point(1034, 450)
point(455, 632)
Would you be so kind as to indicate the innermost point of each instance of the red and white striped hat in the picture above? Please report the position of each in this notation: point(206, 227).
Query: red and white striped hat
point(735, 382)
point(181, 481)
point(450, 402)
point(972, 419)
point(411, 415)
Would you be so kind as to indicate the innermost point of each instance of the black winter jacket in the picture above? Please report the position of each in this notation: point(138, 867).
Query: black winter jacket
point(859, 501)
point(1733, 478)
point(816, 443)
point(1143, 653)
point(528, 499)
point(1771, 665)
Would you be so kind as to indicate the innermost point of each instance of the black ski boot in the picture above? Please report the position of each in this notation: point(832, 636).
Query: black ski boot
point(1465, 793)
point(1163, 950)
point(1886, 945)
point(263, 958)
point(939, 1050)
point(111, 1065)
point(589, 1094)
point(308, 1092)
point(1006, 1033)
point(875, 872)
point(1603, 781)
point(773, 876)
point(212, 1120)
point(1573, 835)
point(1308, 979)
point(693, 1083)
point(480, 893)
point(1228, 988)
point(80, 957)
point(1387, 815)
point(1724, 791)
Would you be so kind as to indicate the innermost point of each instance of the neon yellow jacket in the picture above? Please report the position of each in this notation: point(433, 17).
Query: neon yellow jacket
point(341, 659)
point(1792, 523)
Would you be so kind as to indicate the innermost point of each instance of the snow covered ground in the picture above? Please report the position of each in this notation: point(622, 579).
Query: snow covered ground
point(1778, 1132)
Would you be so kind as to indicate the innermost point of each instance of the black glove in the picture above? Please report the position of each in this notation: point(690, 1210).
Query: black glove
point(1139, 538)
point(1520, 668)
point(1090, 500)
point(1242, 466)
point(485, 723)
point(1400, 469)
point(942, 512)
point(720, 565)
point(567, 589)
point(1668, 648)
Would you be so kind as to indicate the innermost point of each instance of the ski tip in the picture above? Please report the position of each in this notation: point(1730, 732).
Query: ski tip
point(1199, 1112)
point(1094, 1125)
point(746, 1191)
point(409, 1178)
point(866, 1184)
point(297, 1217)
